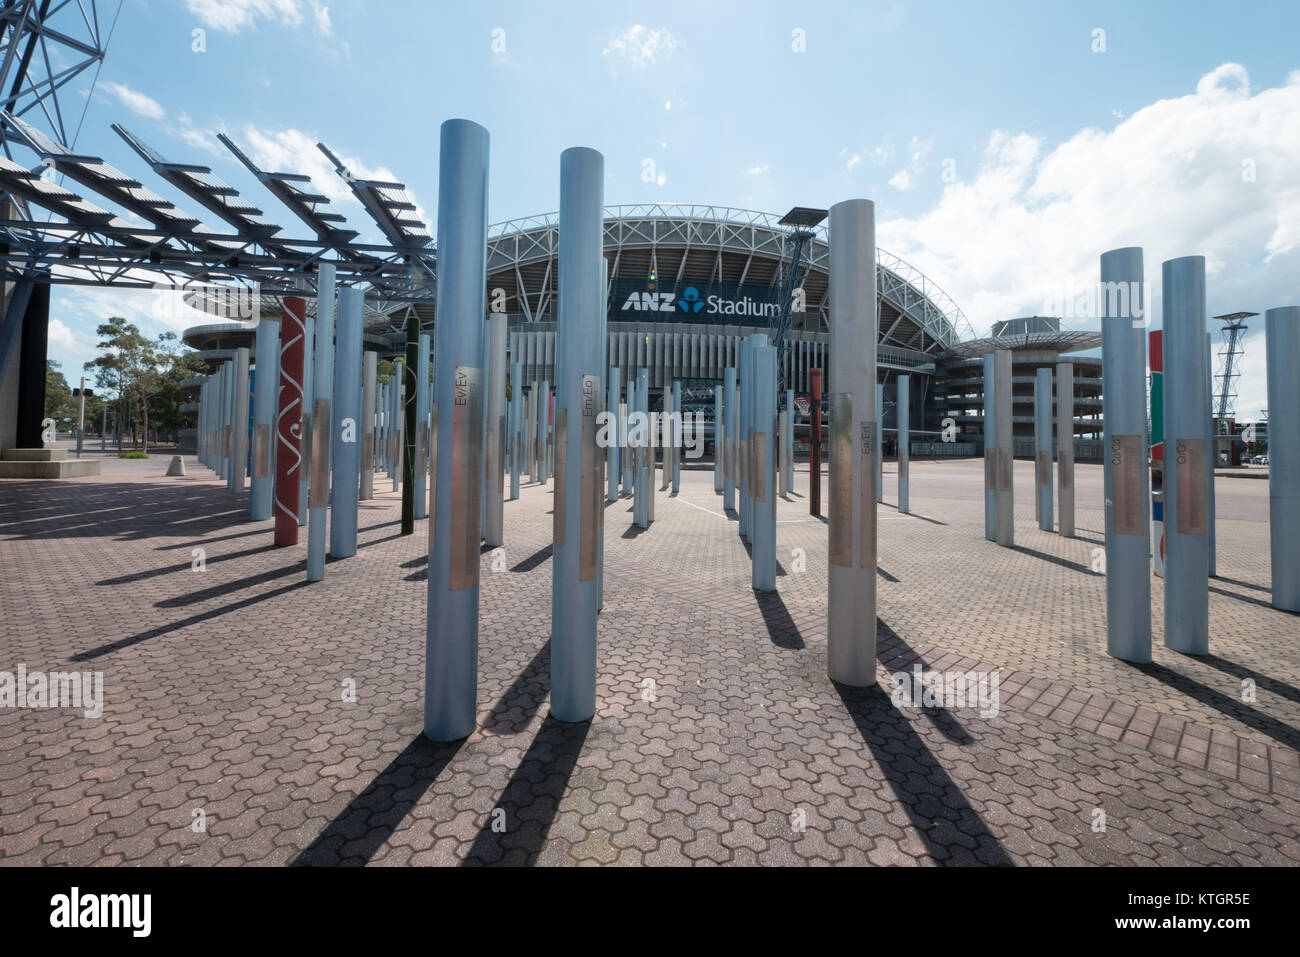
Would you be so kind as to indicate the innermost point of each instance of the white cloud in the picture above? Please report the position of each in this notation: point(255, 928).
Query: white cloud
point(192, 136)
point(901, 181)
point(60, 335)
point(640, 47)
point(133, 100)
point(322, 14)
point(755, 170)
point(231, 16)
point(1213, 173)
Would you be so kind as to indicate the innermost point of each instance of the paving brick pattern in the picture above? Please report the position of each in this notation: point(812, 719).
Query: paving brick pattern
point(717, 739)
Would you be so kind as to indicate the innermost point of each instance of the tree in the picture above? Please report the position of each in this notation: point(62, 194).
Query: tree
point(60, 405)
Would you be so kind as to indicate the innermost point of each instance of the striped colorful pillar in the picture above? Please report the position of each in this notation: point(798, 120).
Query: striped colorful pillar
point(288, 423)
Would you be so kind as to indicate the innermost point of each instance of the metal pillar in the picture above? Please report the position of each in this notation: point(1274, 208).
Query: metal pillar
point(1043, 447)
point(731, 430)
point(676, 426)
point(1127, 478)
point(904, 399)
point(1186, 384)
point(851, 600)
point(613, 449)
point(239, 423)
point(398, 418)
point(308, 371)
point(543, 431)
point(420, 500)
point(762, 531)
point(417, 374)
point(664, 435)
point(880, 442)
point(494, 448)
point(369, 371)
point(288, 422)
point(719, 440)
point(1065, 446)
point(992, 457)
point(268, 379)
point(744, 461)
point(650, 487)
point(348, 455)
point(516, 429)
point(451, 625)
point(578, 510)
point(1006, 448)
point(322, 417)
point(815, 443)
point(639, 425)
point(31, 360)
point(1212, 451)
point(788, 440)
point(1282, 349)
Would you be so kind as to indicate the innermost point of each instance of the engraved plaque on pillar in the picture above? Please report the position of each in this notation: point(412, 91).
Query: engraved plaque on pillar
point(1005, 466)
point(592, 506)
point(840, 530)
point(226, 440)
point(758, 473)
point(1065, 468)
point(742, 461)
point(262, 451)
point(367, 451)
point(991, 468)
point(561, 478)
point(466, 475)
point(1126, 484)
point(500, 470)
point(1044, 468)
point(1192, 506)
point(433, 475)
point(318, 488)
point(867, 499)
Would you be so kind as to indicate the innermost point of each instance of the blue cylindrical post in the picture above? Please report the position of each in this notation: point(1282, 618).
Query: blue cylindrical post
point(1213, 452)
point(349, 425)
point(615, 440)
point(1282, 350)
point(544, 432)
point(1127, 472)
point(1043, 446)
point(902, 384)
point(322, 423)
point(308, 403)
point(516, 429)
point(788, 440)
point(422, 401)
point(579, 484)
point(880, 442)
point(990, 452)
point(718, 440)
point(494, 451)
point(730, 431)
point(675, 426)
point(640, 422)
point(1186, 385)
point(746, 426)
point(763, 490)
point(369, 370)
point(451, 626)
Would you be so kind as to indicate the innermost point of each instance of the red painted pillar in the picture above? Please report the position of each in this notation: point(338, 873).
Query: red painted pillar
point(288, 424)
point(815, 445)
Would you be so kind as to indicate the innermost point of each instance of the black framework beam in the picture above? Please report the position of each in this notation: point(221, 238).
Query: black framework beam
point(31, 368)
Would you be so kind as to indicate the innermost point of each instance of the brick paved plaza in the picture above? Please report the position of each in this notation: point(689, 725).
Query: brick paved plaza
point(717, 733)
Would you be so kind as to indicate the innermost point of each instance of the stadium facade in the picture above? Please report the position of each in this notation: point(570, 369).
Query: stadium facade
point(685, 285)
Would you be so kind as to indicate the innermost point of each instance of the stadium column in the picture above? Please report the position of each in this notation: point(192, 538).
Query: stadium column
point(322, 418)
point(369, 373)
point(676, 426)
point(1211, 451)
point(530, 432)
point(578, 464)
point(880, 442)
point(729, 427)
point(1065, 446)
point(348, 456)
point(656, 439)
point(265, 354)
point(496, 429)
point(664, 435)
point(420, 499)
point(789, 440)
point(223, 420)
point(612, 431)
point(641, 427)
point(288, 423)
point(398, 418)
point(743, 460)
point(1006, 530)
point(1043, 446)
point(239, 439)
point(1127, 483)
point(451, 626)
point(1186, 384)
point(411, 449)
point(815, 442)
point(991, 472)
point(762, 529)
point(543, 432)
point(851, 598)
point(1282, 351)
point(308, 372)
point(719, 441)
point(902, 384)
point(516, 429)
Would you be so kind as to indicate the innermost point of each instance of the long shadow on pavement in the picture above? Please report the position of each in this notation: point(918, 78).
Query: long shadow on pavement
point(370, 819)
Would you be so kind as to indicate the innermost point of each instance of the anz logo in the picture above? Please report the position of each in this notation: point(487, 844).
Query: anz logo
point(691, 303)
point(651, 301)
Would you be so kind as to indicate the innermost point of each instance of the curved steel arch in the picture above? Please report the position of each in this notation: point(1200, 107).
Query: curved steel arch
point(519, 242)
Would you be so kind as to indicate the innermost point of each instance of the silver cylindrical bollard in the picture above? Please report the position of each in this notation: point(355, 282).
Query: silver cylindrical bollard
point(730, 429)
point(1282, 347)
point(851, 617)
point(451, 625)
point(1065, 446)
point(1213, 452)
point(1006, 530)
point(579, 478)
point(763, 485)
point(880, 442)
point(423, 401)
point(1127, 472)
point(613, 430)
point(1043, 447)
point(1186, 384)
point(239, 434)
point(349, 439)
point(496, 431)
point(267, 378)
point(904, 439)
point(718, 440)
point(789, 440)
point(516, 429)
point(308, 402)
point(676, 426)
point(990, 424)
point(322, 425)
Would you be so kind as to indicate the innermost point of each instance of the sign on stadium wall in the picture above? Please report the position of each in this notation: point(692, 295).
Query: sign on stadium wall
point(698, 302)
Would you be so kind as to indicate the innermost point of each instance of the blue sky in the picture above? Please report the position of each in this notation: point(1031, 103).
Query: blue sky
point(1054, 150)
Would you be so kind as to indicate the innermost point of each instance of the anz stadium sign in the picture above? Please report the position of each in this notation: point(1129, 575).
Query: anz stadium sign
point(732, 304)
